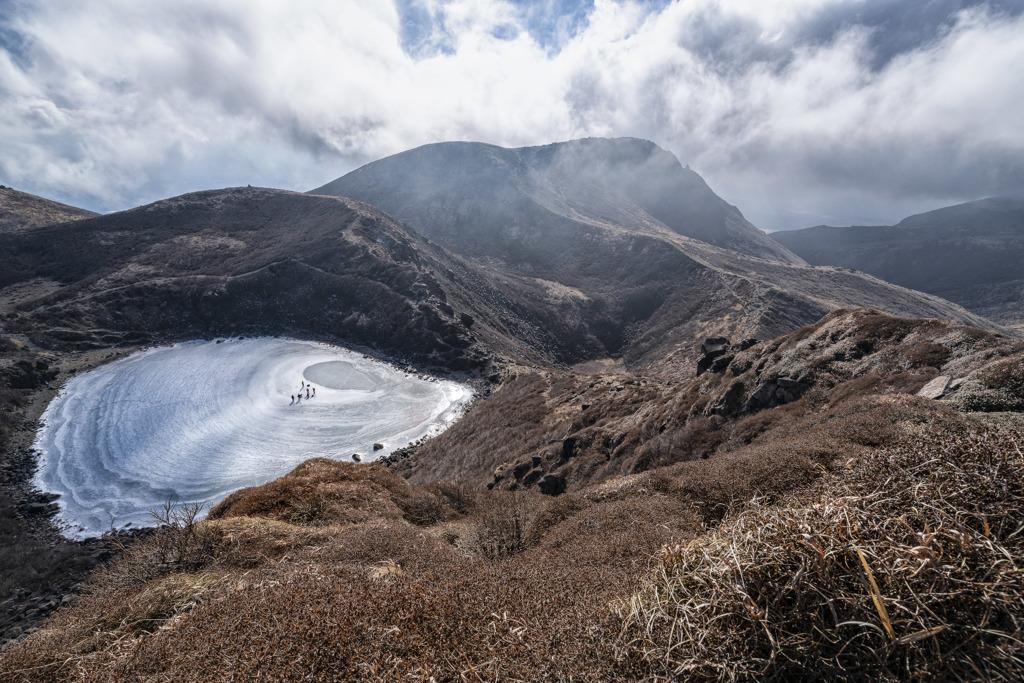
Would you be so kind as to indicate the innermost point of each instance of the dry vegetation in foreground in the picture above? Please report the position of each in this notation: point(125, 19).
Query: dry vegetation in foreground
point(907, 565)
point(513, 585)
point(855, 533)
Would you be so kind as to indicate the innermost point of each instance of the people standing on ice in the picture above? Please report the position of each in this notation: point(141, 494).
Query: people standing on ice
point(314, 391)
point(293, 399)
point(307, 392)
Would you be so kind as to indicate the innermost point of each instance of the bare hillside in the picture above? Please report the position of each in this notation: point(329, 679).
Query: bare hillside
point(252, 261)
point(21, 211)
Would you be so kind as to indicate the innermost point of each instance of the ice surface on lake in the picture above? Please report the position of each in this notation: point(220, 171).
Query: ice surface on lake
point(198, 420)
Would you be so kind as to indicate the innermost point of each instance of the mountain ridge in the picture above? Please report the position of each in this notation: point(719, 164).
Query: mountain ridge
point(23, 211)
point(642, 187)
point(255, 261)
point(645, 292)
point(970, 253)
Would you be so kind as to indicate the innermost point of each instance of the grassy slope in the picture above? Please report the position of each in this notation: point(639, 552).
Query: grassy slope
point(343, 572)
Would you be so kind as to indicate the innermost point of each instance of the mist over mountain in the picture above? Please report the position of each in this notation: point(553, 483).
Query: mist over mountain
point(971, 253)
point(634, 248)
point(539, 287)
point(490, 201)
point(21, 210)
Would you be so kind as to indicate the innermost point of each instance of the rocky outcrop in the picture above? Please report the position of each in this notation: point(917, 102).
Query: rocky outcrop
point(935, 388)
point(551, 484)
point(717, 354)
point(776, 392)
point(24, 374)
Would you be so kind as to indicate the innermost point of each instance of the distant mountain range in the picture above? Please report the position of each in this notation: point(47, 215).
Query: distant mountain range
point(971, 254)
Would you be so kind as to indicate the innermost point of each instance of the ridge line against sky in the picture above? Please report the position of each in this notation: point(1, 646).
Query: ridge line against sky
point(800, 112)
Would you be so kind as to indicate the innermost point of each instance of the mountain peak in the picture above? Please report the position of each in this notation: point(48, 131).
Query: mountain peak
point(630, 183)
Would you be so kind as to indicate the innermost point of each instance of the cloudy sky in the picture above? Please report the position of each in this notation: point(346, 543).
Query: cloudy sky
point(798, 111)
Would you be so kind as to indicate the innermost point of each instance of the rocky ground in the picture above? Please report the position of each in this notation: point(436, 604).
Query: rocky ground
point(42, 570)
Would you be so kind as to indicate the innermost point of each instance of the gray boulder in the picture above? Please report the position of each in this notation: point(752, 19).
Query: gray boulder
point(936, 388)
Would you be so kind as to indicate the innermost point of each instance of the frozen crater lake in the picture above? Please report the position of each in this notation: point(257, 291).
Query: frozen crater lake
point(196, 421)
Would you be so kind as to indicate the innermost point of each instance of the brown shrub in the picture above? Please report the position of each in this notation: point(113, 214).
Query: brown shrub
point(698, 439)
point(457, 496)
point(421, 507)
point(749, 428)
point(874, 327)
point(620, 530)
point(503, 524)
point(905, 569)
point(1001, 390)
point(926, 354)
point(181, 543)
point(321, 492)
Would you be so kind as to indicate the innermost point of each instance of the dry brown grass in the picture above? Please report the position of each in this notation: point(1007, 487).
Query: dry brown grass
point(322, 492)
point(504, 523)
point(371, 602)
point(882, 542)
point(517, 586)
point(998, 387)
point(906, 567)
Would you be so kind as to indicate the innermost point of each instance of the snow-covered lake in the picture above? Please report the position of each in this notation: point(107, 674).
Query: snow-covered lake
point(196, 421)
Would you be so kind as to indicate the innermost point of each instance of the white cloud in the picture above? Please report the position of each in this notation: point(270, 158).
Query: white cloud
point(115, 102)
